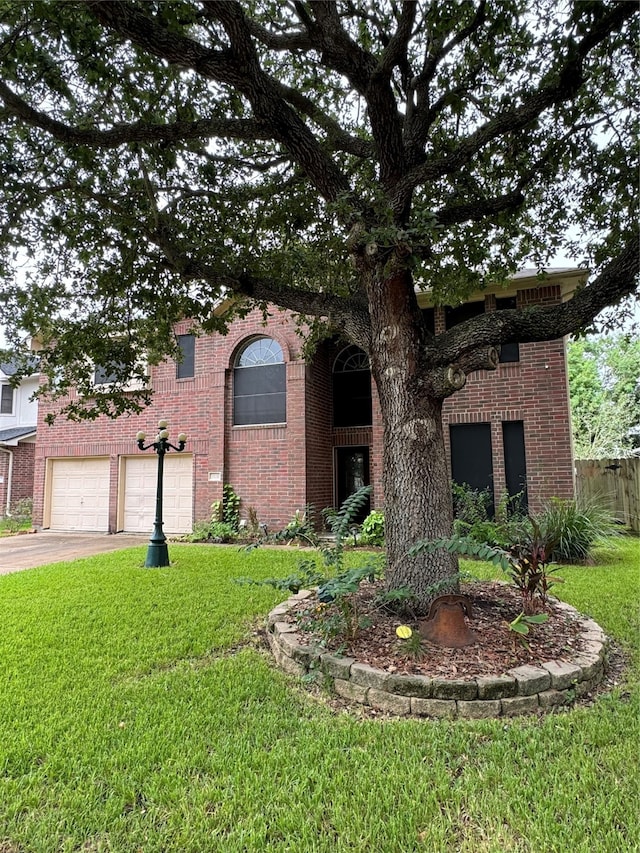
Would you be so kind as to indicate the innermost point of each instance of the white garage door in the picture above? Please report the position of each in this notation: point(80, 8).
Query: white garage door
point(79, 494)
point(140, 479)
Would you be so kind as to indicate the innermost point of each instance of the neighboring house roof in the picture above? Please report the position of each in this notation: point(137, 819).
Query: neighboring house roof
point(10, 368)
point(14, 434)
point(549, 272)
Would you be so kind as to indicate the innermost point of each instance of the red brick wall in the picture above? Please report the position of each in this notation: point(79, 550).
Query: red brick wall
point(4, 485)
point(202, 408)
point(22, 475)
point(533, 390)
point(266, 464)
point(23, 465)
point(319, 430)
point(278, 469)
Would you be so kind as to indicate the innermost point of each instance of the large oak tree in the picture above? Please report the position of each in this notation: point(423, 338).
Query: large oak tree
point(325, 157)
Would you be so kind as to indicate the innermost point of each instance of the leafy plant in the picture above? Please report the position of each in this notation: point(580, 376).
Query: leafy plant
point(527, 561)
point(472, 519)
point(340, 591)
point(230, 507)
point(396, 599)
point(300, 528)
point(212, 531)
point(470, 505)
point(336, 586)
point(224, 524)
point(340, 525)
point(521, 625)
point(372, 529)
point(411, 642)
point(307, 575)
point(20, 518)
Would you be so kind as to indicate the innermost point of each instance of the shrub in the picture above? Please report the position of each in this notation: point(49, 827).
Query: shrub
point(576, 526)
point(224, 524)
point(470, 505)
point(372, 529)
point(230, 507)
point(22, 510)
point(471, 515)
point(212, 531)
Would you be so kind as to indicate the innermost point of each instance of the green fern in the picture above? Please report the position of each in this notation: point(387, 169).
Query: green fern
point(465, 546)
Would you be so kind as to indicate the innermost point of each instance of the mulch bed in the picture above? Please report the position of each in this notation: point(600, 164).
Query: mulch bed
point(497, 649)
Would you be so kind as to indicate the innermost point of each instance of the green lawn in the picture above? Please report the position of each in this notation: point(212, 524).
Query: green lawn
point(138, 713)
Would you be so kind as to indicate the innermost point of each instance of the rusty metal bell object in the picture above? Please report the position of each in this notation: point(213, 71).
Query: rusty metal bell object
point(445, 624)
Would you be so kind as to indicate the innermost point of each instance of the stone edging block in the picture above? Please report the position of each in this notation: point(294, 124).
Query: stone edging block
point(522, 690)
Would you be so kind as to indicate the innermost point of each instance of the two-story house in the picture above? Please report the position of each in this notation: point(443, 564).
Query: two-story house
point(18, 421)
point(286, 431)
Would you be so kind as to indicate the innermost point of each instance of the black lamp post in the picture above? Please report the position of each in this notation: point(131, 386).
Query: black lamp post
point(157, 552)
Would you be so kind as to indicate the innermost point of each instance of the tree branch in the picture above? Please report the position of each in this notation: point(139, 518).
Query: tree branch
point(396, 50)
point(543, 322)
point(239, 67)
point(121, 134)
point(561, 86)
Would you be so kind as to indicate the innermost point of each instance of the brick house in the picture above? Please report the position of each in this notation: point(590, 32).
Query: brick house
point(18, 417)
point(286, 432)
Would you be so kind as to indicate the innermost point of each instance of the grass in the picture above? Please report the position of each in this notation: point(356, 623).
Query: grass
point(138, 713)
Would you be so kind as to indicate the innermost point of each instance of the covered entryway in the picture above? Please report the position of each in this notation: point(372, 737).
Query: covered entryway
point(138, 493)
point(79, 494)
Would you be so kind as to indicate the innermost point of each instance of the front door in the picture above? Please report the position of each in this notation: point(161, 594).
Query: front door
point(352, 472)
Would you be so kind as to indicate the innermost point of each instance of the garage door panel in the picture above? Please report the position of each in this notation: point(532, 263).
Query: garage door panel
point(79, 494)
point(140, 481)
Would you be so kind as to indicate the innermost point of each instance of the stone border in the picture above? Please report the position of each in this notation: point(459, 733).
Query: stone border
point(523, 690)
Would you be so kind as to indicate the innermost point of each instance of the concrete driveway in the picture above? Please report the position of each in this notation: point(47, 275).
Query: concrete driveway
point(36, 549)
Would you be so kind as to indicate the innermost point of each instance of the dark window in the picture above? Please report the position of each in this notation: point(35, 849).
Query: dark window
point(104, 376)
point(509, 352)
point(352, 389)
point(429, 317)
point(453, 316)
point(185, 368)
point(471, 457)
point(6, 401)
point(515, 463)
point(259, 384)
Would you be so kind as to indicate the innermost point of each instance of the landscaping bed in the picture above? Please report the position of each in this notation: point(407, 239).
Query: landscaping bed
point(563, 659)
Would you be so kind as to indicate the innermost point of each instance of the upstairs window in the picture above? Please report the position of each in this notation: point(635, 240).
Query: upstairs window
point(429, 317)
point(259, 384)
point(509, 352)
point(6, 400)
point(454, 316)
point(105, 377)
point(185, 367)
point(352, 389)
point(122, 367)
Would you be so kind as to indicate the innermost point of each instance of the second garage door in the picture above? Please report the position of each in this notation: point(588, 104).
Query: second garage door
point(139, 493)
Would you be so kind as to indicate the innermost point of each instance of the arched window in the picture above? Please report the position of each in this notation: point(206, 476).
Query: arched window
point(259, 384)
point(352, 388)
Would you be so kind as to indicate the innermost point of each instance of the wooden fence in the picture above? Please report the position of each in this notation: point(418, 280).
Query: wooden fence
point(615, 482)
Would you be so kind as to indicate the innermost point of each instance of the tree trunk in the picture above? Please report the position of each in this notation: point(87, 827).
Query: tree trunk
point(417, 495)
point(416, 479)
